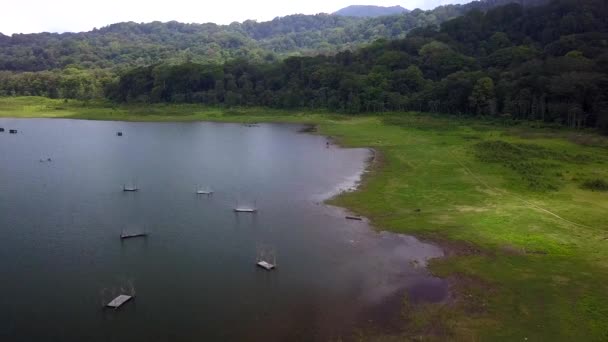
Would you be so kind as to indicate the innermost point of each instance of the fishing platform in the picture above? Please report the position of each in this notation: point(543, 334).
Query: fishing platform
point(202, 191)
point(266, 265)
point(132, 235)
point(119, 301)
point(245, 210)
point(266, 258)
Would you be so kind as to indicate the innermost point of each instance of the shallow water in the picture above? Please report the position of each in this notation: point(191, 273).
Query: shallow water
point(195, 277)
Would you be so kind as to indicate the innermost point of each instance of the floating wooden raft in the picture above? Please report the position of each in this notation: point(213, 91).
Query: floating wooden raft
point(129, 236)
point(266, 265)
point(119, 301)
point(245, 210)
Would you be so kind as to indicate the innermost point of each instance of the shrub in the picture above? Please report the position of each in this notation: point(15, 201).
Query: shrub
point(595, 185)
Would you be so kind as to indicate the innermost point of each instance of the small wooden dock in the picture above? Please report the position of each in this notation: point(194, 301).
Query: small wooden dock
point(266, 265)
point(119, 301)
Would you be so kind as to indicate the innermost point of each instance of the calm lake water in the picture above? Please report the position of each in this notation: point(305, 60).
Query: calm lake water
point(61, 256)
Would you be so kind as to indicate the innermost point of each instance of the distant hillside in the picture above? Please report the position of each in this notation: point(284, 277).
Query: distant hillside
point(370, 11)
point(130, 44)
point(548, 63)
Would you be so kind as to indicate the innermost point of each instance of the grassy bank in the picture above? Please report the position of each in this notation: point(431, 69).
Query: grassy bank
point(523, 210)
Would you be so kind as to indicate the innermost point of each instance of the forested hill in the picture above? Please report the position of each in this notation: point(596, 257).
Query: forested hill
point(369, 11)
point(131, 44)
point(547, 63)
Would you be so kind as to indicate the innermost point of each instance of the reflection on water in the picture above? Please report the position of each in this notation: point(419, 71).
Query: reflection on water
point(194, 274)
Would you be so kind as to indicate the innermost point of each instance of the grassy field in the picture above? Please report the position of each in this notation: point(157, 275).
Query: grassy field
point(522, 211)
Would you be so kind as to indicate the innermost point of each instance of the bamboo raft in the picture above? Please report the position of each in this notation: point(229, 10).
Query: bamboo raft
point(132, 235)
point(245, 210)
point(266, 265)
point(266, 258)
point(119, 301)
point(240, 209)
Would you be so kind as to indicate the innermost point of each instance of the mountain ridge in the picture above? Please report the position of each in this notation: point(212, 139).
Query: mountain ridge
point(130, 44)
point(369, 11)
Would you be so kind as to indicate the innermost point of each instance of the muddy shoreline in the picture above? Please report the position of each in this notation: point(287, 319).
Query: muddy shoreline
point(391, 316)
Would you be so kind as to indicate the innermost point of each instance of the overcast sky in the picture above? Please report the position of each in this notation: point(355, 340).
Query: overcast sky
point(28, 16)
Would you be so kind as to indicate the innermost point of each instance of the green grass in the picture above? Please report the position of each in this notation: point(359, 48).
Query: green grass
point(39, 107)
point(537, 166)
point(515, 194)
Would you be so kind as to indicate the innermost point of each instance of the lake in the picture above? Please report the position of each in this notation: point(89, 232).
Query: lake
point(194, 275)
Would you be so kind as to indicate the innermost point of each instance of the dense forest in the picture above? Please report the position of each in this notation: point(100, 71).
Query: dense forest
point(130, 44)
point(546, 63)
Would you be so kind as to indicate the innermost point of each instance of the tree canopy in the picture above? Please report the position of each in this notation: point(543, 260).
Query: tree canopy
point(507, 62)
point(130, 44)
point(547, 63)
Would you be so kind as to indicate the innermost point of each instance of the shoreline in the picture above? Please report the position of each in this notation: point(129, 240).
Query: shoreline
point(352, 184)
point(418, 185)
point(384, 314)
point(372, 164)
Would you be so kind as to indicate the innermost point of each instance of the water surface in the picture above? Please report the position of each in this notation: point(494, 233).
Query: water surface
point(195, 278)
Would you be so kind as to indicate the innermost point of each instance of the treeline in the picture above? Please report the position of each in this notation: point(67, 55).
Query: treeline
point(131, 44)
point(547, 63)
point(69, 83)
